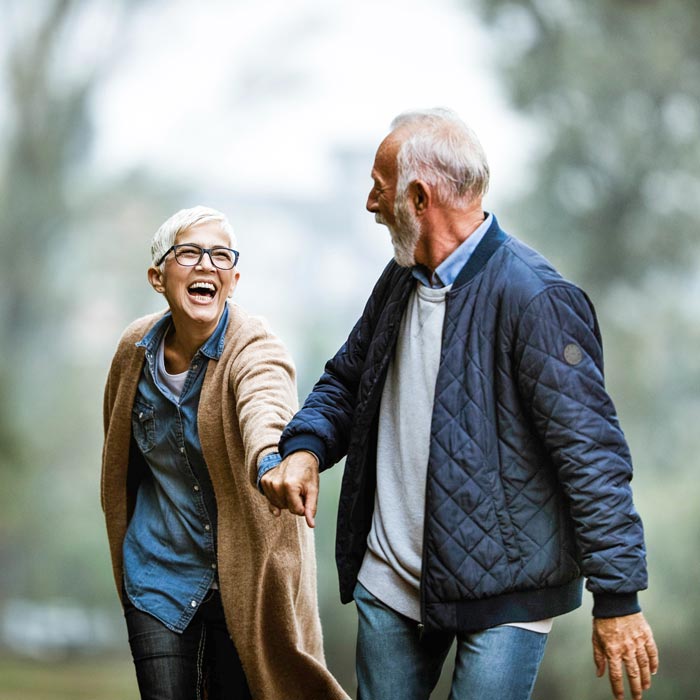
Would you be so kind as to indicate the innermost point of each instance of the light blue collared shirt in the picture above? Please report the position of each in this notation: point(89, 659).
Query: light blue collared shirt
point(446, 272)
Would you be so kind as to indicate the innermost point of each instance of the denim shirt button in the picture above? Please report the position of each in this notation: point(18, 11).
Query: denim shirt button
point(196, 487)
point(194, 603)
point(182, 449)
point(207, 527)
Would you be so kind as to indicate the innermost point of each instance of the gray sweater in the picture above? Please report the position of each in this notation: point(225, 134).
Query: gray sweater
point(392, 565)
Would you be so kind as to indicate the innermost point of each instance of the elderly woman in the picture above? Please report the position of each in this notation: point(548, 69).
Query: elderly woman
point(219, 598)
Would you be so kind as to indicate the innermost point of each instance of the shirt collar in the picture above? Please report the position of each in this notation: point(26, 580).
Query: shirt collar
point(446, 272)
point(212, 347)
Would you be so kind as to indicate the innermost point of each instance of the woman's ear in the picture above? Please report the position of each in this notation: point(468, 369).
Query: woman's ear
point(155, 279)
point(234, 282)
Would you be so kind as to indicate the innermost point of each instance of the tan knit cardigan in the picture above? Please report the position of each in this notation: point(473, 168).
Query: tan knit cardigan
point(267, 565)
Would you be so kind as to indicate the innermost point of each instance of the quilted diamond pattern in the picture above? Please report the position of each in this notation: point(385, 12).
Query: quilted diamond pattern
point(529, 472)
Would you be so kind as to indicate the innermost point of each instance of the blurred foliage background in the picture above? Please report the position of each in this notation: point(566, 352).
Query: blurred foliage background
point(608, 96)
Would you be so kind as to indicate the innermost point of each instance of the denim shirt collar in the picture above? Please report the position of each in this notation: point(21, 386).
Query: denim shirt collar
point(446, 272)
point(212, 347)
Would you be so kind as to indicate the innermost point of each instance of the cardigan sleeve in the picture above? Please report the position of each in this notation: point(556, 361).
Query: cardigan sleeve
point(263, 379)
point(559, 361)
point(108, 402)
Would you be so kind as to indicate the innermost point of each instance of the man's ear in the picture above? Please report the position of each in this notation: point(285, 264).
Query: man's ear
point(155, 279)
point(420, 194)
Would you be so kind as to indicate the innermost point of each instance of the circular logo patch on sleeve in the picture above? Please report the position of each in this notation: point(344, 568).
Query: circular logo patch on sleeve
point(573, 354)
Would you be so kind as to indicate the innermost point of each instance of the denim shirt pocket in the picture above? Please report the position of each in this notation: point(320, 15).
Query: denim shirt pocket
point(143, 425)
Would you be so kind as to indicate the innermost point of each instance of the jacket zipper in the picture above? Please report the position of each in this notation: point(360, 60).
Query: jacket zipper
point(421, 624)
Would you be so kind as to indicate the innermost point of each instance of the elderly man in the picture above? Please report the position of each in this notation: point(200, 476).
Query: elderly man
point(486, 471)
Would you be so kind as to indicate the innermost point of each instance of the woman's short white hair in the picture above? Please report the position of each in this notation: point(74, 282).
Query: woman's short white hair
point(443, 151)
point(180, 221)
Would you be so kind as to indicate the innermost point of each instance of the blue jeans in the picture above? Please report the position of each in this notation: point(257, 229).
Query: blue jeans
point(172, 666)
point(394, 663)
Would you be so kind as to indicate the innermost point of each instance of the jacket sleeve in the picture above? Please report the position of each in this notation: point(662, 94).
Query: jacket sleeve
point(264, 384)
point(559, 364)
point(324, 423)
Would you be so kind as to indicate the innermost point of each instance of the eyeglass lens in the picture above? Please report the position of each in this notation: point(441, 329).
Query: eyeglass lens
point(189, 255)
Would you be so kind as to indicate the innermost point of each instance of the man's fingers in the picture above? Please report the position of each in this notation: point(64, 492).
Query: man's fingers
point(275, 490)
point(598, 660)
point(309, 518)
point(268, 484)
point(310, 504)
point(644, 670)
point(616, 682)
point(634, 676)
point(295, 501)
point(653, 655)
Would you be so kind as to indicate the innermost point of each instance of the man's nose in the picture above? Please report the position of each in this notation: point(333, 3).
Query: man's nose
point(372, 203)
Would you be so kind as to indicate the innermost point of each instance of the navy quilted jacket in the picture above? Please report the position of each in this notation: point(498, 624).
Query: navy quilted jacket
point(528, 476)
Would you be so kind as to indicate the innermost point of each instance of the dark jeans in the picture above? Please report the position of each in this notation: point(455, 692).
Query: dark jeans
point(201, 662)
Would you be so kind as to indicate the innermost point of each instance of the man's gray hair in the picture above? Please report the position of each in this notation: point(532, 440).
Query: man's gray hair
point(180, 221)
point(444, 152)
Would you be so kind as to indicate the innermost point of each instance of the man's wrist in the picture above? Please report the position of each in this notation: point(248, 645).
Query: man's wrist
point(615, 604)
point(313, 454)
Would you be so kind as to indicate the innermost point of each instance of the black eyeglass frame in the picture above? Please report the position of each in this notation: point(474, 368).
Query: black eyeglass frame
point(202, 251)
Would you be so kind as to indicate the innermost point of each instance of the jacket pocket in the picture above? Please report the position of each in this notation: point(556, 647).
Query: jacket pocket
point(143, 424)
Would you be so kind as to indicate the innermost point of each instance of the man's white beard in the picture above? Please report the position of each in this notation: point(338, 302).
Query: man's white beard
point(405, 235)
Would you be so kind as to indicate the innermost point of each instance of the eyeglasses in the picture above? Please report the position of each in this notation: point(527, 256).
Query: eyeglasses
point(191, 254)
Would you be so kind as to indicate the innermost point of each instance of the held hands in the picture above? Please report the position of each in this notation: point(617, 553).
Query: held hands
point(625, 641)
point(293, 485)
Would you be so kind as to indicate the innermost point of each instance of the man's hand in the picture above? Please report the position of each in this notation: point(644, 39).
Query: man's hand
point(625, 641)
point(293, 485)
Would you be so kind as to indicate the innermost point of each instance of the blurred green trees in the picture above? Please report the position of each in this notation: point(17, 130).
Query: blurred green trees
point(613, 198)
point(45, 136)
point(612, 88)
point(61, 231)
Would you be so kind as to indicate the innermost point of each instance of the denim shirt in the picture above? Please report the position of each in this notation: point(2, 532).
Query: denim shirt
point(170, 545)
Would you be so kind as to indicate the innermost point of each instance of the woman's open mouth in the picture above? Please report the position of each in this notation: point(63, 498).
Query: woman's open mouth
point(202, 291)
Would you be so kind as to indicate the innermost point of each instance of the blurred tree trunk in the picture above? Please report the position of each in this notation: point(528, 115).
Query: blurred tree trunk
point(47, 139)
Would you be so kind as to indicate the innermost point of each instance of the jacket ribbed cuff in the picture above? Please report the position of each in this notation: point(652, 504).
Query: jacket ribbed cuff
point(615, 604)
point(307, 442)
